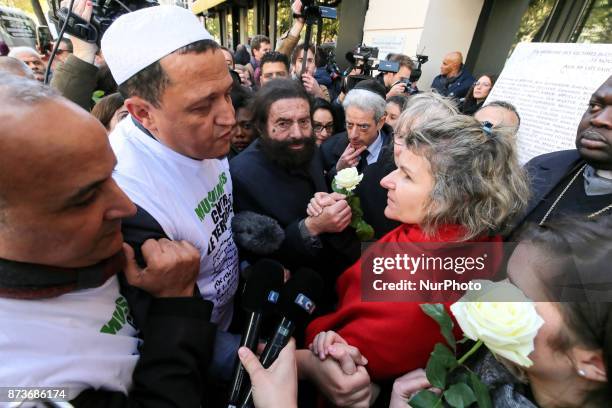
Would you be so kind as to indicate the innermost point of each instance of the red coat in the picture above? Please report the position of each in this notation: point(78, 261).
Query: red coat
point(395, 337)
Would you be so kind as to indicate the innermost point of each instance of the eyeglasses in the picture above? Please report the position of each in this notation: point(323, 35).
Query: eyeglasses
point(318, 127)
point(362, 127)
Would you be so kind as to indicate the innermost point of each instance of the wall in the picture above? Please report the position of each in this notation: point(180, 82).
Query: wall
point(431, 27)
point(449, 26)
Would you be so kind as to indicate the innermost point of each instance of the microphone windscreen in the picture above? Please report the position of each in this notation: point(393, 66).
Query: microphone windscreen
point(257, 233)
point(300, 295)
point(266, 276)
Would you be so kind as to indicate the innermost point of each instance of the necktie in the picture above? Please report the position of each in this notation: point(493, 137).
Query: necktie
point(363, 161)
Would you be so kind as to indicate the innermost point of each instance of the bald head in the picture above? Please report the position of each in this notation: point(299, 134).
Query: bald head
point(31, 151)
point(58, 202)
point(451, 64)
point(16, 67)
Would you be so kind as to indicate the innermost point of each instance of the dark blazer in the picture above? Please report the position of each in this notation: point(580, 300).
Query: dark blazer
point(261, 186)
point(373, 196)
point(456, 87)
point(545, 172)
point(332, 149)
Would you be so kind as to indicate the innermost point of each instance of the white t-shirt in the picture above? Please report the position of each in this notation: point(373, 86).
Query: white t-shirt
point(80, 340)
point(191, 200)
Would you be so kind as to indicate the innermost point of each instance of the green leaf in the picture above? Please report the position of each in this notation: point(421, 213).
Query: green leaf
point(425, 399)
point(464, 340)
point(481, 391)
point(337, 189)
point(436, 372)
point(438, 313)
point(365, 232)
point(444, 356)
point(459, 396)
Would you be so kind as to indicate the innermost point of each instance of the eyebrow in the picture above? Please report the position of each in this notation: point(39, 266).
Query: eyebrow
point(84, 191)
point(405, 170)
point(208, 97)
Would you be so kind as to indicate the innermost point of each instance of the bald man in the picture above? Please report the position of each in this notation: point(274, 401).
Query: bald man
point(454, 80)
point(16, 67)
point(64, 271)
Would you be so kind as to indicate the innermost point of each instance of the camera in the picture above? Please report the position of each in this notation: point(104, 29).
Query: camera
point(104, 13)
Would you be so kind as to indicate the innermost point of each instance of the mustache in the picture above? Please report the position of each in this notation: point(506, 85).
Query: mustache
point(592, 135)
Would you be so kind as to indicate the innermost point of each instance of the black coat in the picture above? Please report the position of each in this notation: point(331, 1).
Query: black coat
point(261, 186)
point(332, 149)
point(545, 172)
point(372, 195)
point(178, 340)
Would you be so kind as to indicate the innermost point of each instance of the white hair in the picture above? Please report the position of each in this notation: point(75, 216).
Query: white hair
point(366, 101)
point(20, 50)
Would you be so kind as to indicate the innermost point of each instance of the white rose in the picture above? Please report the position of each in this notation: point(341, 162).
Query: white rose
point(502, 317)
point(348, 178)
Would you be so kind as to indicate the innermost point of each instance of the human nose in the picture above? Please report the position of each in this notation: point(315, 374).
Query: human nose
point(120, 204)
point(388, 182)
point(226, 114)
point(603, 119)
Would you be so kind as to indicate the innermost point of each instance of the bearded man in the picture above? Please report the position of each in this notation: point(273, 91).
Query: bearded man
point(281, 171)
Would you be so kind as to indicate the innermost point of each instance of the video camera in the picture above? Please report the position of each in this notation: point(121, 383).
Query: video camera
point(104, 13)
point(363, 58)
point(415, 75)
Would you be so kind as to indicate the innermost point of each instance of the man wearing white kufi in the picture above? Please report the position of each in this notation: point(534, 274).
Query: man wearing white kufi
point(176, 87)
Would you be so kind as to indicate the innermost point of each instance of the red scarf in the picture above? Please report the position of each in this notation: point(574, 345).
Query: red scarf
point(395, 337)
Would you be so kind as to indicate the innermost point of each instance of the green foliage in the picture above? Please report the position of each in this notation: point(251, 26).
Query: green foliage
point(425, 399)
point(461, 387)
point(459, 395)
point(481, 391)
point(438, 313)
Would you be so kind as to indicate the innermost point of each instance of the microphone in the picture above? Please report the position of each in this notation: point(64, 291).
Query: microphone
point(257, 233)
point(261, 292)
point(296, 303)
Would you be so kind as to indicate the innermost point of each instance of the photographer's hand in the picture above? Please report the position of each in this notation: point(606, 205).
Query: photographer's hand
point(397, 89)
point(83, 50)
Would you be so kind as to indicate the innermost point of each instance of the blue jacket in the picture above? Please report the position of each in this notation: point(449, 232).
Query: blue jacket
point(456, 87)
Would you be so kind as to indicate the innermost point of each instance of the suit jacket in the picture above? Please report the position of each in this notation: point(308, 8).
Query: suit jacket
point(545, 172)
point(332, 149)
point(456, 87)
point(372, 195)
point(261, 186)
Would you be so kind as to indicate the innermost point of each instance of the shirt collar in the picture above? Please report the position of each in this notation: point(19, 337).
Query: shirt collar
point(595, 185)
point(374, 149)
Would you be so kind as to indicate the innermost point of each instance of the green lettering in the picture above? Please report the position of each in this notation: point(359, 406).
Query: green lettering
point(112, 327)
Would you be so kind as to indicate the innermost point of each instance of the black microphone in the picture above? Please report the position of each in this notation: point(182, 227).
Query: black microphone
point(261, 293)
point(297, 301)
point(257, 233)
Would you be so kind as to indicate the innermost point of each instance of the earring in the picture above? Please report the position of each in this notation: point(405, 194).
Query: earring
point(581, 372)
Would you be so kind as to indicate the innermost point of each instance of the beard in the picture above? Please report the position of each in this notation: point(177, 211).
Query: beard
point(281, 153)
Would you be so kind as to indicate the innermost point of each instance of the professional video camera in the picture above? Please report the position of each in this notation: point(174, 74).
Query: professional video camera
point(313, 14)
point(104, 13)
point(415, 75)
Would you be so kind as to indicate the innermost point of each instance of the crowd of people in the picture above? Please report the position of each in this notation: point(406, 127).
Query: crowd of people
point(121, 275)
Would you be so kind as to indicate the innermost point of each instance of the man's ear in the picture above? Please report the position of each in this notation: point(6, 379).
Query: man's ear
point(381, 122)
point(590, 364)
point(142, 111)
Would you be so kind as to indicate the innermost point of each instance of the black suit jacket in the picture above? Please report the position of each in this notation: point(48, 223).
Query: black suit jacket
point(545, 172)
point(332, 149)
